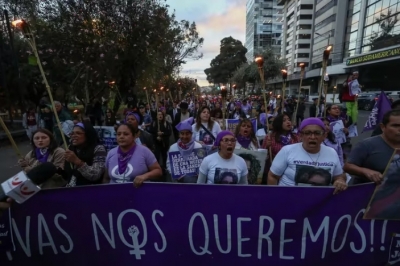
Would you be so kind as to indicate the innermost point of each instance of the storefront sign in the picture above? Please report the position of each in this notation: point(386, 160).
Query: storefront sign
point(373, 57)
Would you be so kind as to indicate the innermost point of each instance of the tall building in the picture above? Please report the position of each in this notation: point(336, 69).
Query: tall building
point(264, 20)
point(365, 35)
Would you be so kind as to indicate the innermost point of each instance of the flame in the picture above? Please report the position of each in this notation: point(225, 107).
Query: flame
point(17, 23)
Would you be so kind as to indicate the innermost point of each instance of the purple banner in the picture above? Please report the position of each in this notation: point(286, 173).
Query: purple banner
point(189, 224)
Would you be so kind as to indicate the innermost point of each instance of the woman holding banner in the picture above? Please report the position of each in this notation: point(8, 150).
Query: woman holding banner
point(185, 145)
point(245, 136)
point(85, 159)
point(223, 167)
point(205, 130)
point(130, 162)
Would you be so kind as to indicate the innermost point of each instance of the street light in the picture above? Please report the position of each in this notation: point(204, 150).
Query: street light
point(28, 34)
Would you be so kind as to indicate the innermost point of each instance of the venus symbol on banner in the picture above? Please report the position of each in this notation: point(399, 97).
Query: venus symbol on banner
point(120, 177)
point(134, 232)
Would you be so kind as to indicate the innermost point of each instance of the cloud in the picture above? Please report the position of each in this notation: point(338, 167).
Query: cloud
point(214, 22)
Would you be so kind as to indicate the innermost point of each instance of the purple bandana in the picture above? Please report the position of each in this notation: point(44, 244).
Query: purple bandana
point(243, 141)
point(123, 159)
point(285, 140)
point(42, 154)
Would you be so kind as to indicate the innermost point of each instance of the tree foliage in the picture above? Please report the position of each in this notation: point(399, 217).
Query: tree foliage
point(232, 55)
point(387, 22)
point(86, 44)
point(248, 72)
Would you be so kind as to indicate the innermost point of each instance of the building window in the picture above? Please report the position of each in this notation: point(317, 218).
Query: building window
point(325, 8)
point(304, 17)
point(303, 45)
point(304, 36)
point(304, 27)
point(303, 55)
point(325, 22)
point(305, 7)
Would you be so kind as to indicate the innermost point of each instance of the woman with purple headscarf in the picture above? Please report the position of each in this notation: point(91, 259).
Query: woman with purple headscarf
point(224, 166)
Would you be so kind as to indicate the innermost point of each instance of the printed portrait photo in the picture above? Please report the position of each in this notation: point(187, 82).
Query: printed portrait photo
point(206, 138)
point(314, 176)
point(385, 203)
point(253, 166)
point(225, 176)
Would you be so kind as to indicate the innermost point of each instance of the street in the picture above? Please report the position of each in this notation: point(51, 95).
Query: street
point(9, 166)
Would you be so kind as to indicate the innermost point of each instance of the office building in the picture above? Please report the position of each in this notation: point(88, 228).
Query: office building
point(359, 33)
point(264, 20)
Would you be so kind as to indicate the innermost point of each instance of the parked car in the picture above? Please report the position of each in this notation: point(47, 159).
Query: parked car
point(366, 101)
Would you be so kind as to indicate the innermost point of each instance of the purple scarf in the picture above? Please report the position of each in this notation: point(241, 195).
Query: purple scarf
point(243, 141)
point(42, 154)
point(185, 149)
point(285, 140)
point(123, 158)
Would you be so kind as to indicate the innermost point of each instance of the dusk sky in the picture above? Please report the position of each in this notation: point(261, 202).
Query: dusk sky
point(215, 20)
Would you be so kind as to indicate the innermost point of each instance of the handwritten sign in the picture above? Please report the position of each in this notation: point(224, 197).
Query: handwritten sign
point(189, 167)
point(189, 224)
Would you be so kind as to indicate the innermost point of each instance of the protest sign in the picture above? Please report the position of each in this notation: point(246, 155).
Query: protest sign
point(190, 224)
point(385, 203)
point(186, 167)
point(255, 161)
point(107, 137)
point(231, 124)
point(337, 129)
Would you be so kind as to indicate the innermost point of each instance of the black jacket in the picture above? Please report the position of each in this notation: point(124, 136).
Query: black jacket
point(147, 139)
point(241, 114)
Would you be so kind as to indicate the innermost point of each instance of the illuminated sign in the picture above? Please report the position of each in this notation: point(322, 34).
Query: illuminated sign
point(373, 57)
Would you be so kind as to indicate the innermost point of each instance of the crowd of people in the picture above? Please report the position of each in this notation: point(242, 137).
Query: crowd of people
point(301, 151)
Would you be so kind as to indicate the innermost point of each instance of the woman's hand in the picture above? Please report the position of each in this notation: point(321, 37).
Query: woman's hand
point(138, 181)
point(71, 157)
point(23, 163)
point(340, 186)
point(268, 142)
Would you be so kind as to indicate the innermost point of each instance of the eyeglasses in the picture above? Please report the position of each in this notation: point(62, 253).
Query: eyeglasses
point(228, 140)
point(270, 121)
point(315, 133)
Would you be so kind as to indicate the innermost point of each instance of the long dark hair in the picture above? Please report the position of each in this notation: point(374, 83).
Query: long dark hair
point(86, 151)
point(277, 126)
point(330, 136)
point(53, 143)
point(198, 119)
point(252, 134)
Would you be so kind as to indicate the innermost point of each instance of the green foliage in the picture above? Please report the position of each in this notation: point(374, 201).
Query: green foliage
point(232, 55)
point(87, 44)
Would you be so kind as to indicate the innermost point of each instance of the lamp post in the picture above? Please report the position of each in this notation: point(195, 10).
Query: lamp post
point(334, 92)
point(224, 93)
point(284, 78)
point(325, 59)
point(303, 67)
point(30, 37)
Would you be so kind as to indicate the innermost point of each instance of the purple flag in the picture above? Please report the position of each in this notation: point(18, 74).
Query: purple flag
point(382, 105)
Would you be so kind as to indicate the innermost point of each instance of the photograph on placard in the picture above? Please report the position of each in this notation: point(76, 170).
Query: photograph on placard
point(314, 176)
point(255, 161)
point(385, 202)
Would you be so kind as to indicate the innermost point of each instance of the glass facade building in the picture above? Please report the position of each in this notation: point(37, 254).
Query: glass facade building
point(264, 20)
point(374, 25)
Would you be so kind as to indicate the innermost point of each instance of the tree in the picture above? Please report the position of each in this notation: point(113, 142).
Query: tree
point(248, 72)
point(386, 22)
point(84, 45)
point(232, 55)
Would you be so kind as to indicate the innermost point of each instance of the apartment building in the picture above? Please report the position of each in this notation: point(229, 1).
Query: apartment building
point(264, 21)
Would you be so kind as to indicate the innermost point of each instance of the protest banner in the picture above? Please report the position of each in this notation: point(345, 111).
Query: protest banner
point(190, 224)
point(255, 161)
point(188, 167)
point(385, 203)
point(107, 137)
point(231, 124)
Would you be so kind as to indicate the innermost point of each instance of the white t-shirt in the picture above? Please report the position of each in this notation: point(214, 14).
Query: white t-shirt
point(202, 135)
point(221, 171)
point(296, 166)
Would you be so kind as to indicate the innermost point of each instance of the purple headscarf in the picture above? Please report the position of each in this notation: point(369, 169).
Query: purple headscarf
point(137, 117)
point(221, 135)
